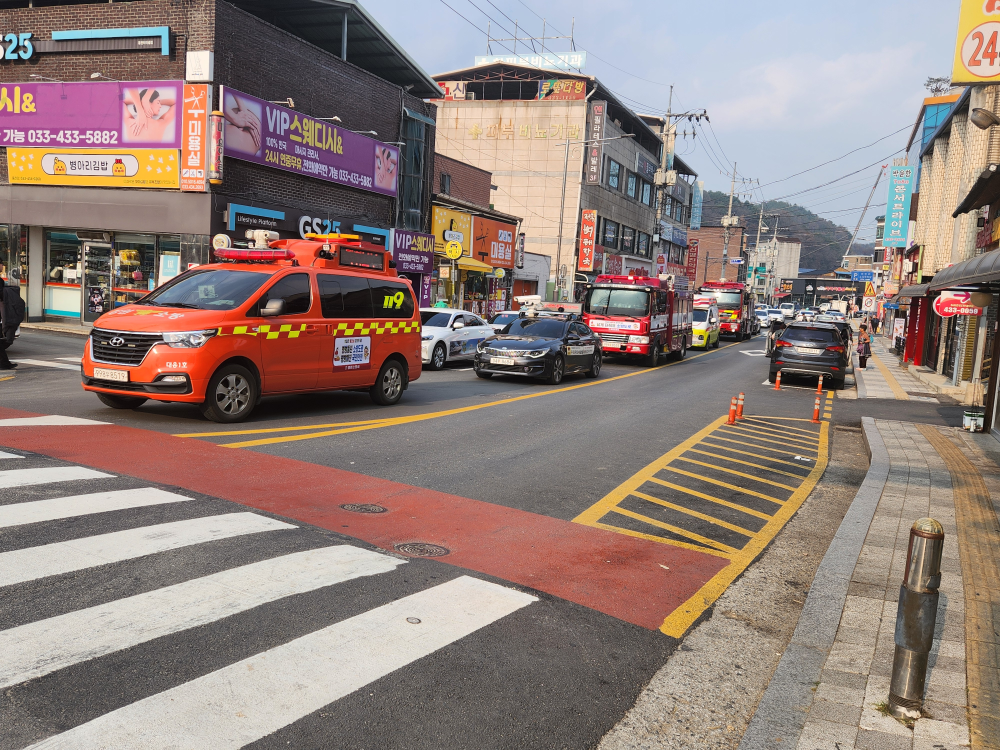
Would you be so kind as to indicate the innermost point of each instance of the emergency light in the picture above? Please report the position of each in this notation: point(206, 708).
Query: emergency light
point(252, 255)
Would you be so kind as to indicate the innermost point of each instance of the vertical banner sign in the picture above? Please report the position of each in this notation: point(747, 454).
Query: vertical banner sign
point(595, 151)
point(697, 198)
point(216, 146)
point(588, 237)
point(692, 262)
point(897, 210)
point(194, 136)
point(519, 261)
point(977, 54)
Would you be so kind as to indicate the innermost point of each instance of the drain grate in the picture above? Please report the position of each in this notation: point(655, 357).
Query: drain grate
point(363, 508)
point(422, 549)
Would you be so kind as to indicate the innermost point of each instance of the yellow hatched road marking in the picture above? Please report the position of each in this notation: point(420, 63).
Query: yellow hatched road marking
point(757, 420)
point(711, 499)
point(696, 514)
point(751, 463)
point(759, 447)
point(776, 432)
point(676, 530)
point(752, 436)
point(728, 486)
point(660, 539)
point(737, 473)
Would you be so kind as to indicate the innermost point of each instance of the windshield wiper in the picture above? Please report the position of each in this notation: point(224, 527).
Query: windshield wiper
point(185, 305)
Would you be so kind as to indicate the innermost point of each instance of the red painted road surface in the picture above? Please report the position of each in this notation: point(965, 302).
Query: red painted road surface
point(615, 574)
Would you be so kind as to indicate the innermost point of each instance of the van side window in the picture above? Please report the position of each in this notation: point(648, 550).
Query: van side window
point(391, 299)
point(331, 299)
point(294, 290)
point(356, 295)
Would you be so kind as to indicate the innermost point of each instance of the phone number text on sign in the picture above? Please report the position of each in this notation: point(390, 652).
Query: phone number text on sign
point(352, 353)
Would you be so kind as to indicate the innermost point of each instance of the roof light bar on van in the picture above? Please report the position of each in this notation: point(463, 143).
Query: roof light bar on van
point(258, 256)
point(333, 236)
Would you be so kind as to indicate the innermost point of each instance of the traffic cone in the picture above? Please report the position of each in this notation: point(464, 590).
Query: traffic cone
point(739, 406)
point(816, 412)
point(777, 381)
point(819, 387)
point(732, 411)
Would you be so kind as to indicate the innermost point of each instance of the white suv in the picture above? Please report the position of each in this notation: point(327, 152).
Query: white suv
point(787, 309)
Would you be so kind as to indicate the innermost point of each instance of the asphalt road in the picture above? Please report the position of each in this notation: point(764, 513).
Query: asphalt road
point(497, 484)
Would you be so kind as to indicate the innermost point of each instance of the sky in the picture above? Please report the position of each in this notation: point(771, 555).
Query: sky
point(787, 84)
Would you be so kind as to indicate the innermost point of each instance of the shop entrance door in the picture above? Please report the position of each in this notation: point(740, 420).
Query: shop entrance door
point(97, 280)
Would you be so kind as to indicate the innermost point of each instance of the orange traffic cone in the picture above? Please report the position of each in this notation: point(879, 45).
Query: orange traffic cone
point(819, 387)
point(816, 412)
point(732, 411)
point(739, 406)
point(777, 381)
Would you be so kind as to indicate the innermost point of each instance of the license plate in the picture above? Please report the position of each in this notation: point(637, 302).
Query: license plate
point(807, 350)
point(118, 376)
point(502, 360)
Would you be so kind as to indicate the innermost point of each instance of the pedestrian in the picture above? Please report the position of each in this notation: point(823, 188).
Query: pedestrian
point(864, 347)
point(11, 315)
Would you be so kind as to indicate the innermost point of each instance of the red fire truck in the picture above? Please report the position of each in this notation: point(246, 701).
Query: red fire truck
point(735, 307)
point(640, 316)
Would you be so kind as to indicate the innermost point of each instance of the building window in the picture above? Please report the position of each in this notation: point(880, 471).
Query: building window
point(610, 234)
point(678, 210)
point(628, 240)
point(644, 245)
point(614, 174)
point(631, 185)
point(412, 188)
point(445, 186)
point(647, 193)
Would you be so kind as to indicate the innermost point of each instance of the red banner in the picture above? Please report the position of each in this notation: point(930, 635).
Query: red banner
point(588, 237)
point(493, 242)
point(194, 138)
point(692, 262)
point(613, 264)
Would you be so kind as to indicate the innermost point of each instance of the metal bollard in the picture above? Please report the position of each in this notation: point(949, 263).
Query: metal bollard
point(915, 618)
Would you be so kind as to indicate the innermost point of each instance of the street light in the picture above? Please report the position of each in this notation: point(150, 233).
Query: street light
point(562, 203)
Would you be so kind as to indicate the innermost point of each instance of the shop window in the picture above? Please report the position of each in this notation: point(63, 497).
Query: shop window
point(391, 299)
point(13, 255)
point(134, 267)
point(647, 193)
point(614, 174)
point(628, 240)
point(610, 234)
point(63, 258)
point(411, 192)
point(293, 289)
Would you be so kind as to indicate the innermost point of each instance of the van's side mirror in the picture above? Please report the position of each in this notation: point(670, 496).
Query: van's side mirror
point(273, 308)
point(715, 320)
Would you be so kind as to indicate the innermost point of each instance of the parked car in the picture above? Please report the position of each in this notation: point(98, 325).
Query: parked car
point(448, 334)
point(776, 328)
point(846, 331)
point(503, 319)
point(548, 347)
point(811, 349)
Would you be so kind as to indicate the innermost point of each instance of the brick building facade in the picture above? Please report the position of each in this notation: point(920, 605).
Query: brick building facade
point(711, 241)
point(463, 181)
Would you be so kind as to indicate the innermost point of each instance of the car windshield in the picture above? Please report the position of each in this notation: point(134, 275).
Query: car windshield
point(547, 328)
point(774, 310)
point(728, 299)
point(503, 318)
point(700, 316)
point(810, 335)
point(434, 319)
point(207, 290)
point(632, 302)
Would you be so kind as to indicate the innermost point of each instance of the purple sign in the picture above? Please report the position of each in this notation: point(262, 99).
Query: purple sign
point(282, 138)
point(425, 290)
point(103, 114)
point(413, 251)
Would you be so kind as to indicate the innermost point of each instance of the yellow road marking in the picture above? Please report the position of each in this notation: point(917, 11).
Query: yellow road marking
point(752, 436)
point(728, 486)
point(760, 447)
point(711, 499)
point(696, 514)
point(737, 473)
point(9, 377)
point(897, 391)
point(281, 429)
point(798, 439)
point(678, 621)
point(676, 530)
point(750, 463)
point(755, 420)
point(436, 415)
point(660, 539)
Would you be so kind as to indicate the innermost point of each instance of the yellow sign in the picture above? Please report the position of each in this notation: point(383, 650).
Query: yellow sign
point(977, 50)
point(453, 250)
point(451, 226)
point(126, 167)
point(869, 289)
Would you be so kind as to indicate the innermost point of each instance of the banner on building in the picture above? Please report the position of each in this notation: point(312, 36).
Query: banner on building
point(451, 226)
point(588, 240)
point(100, 114)
point(544, 60)
point(692, 262)
point(127, 167)
point(412, 251)
point(613, 264)
point(897, 210)
point(493, 242)
point(562, 90)
point(278, 137)
point(697, 198)
point(977, 56)
point(196, 107)
point(595, 151)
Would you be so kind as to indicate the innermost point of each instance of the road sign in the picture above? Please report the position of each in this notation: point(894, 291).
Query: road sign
point(891, 305)
point(453, 250)
point(869, 289)
point(868, 304)
point(736, 261)
point(862, 275)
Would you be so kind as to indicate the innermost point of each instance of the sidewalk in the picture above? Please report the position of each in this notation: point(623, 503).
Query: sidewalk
point(885, 379)
point(830, 688)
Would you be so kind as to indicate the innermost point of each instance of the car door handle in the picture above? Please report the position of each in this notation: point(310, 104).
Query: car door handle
point(310, 330)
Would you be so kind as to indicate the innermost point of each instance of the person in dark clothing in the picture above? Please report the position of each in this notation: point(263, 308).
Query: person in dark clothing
point(11, 315)
point(864, 347)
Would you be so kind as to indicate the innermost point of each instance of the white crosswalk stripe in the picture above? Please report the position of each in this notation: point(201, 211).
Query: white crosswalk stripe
point(47, 363)
point(18, 514)
point(9, 455)
point(41, 647)
point(49, 420)
point(46, 475)
point(248, 700)
point(28, 564)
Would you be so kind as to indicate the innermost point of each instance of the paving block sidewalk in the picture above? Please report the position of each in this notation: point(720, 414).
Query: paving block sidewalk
point(884, 379)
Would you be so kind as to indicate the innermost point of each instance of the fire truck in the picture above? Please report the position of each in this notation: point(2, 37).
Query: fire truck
point(735, 307)
point(640, 316)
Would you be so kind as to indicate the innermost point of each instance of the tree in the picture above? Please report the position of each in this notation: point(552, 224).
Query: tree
point(938, 85)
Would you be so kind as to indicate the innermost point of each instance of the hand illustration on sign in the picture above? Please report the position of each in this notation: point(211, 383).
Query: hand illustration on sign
point(149, 115)
point(242, 124)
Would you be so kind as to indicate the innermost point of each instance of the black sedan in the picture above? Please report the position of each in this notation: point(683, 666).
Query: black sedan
point(544, 347)
point(811, 349)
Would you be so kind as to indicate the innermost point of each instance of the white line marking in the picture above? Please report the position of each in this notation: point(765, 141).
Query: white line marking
point(253, 698)
point(46, 363)
point(83, 505)
point(77, 554)
point(44, 475)
point(38, 648)
point(9, 455)
point(51, 420)
point(70, 359)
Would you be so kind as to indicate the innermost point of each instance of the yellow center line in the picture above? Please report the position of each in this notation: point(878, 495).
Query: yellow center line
point(712, 499)
point(676, 530)
point(696, 514)
point(759, 447)
point(737, 473)
point(282, 429)
point(728, 486)
point(750, 463)
point(9, 377)
point(756, 420)
point(752, 436)
point(797, 439)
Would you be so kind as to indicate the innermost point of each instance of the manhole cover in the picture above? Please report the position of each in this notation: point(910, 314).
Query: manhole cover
point(363, 508)
point(422, 549)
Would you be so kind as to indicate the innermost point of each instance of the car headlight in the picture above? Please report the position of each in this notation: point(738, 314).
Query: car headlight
point(426, 338)
point(189, 339)
point(536, 353)
point(481, 347)
point(638, 339)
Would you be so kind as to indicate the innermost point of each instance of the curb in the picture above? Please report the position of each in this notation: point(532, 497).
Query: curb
point(784, 708)
point(860, 383)
point(83, 332)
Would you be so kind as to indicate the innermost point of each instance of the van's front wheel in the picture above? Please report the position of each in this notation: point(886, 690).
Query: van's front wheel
point(388, 388)
point(231, 395)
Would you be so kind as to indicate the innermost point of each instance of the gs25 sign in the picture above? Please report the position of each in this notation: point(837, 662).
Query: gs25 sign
point(17, 47)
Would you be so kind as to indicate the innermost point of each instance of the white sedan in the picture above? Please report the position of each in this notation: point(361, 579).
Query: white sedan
point(448, 335)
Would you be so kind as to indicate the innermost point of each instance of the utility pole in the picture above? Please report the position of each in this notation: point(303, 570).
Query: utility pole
point(665, 137)
point(773, 254)
point(727, 222)
point(756, 244)
point(862, 217)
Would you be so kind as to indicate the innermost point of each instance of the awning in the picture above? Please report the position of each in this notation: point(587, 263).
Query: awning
point(471, 264)
point(779, 296)
point(980, 269)
point(913, 290)
point(984, 192)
